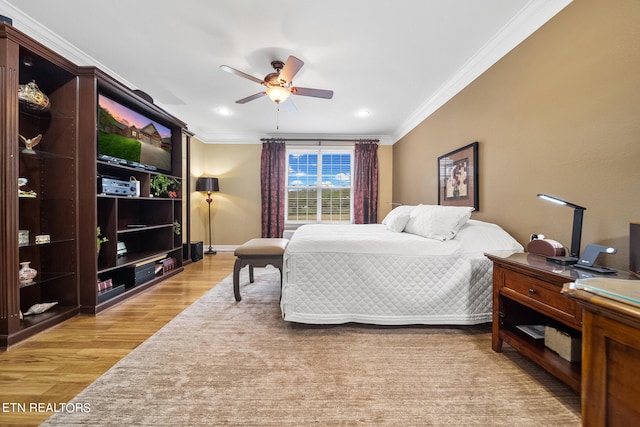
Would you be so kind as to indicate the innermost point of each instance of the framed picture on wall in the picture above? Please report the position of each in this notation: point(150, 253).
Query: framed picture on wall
point(458, 177)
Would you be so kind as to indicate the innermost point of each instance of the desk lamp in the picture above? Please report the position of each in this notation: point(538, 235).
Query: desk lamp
point(575, 236)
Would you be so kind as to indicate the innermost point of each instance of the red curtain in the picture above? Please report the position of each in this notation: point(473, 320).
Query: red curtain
point(272, 180)
point(365, 182)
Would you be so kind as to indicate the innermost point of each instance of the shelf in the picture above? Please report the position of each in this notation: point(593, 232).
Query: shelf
point(137, 258)
point(145, 228)
point(42, 278)
point(51, 243)
point(43, 155)
point(114, 196)
point(568, 372)
point(128, 293)
point(116, 166)
point(51, 315)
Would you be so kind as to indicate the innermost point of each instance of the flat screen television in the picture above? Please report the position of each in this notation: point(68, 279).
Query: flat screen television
point(130, 138)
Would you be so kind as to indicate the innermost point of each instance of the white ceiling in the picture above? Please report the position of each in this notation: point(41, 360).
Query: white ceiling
point(397, 60)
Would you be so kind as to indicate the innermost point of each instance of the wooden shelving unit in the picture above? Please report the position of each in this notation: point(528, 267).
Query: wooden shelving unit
point(51, 173)
point(143, 224)
point(65, 206)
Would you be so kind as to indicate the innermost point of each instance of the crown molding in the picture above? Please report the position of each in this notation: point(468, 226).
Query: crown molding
point(533, 16)
point(247, 138)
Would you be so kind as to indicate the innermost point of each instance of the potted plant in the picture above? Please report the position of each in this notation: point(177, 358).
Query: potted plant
point(100, 239)
point(164, 186)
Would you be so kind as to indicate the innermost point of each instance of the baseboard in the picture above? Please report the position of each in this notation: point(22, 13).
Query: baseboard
point(224, 248)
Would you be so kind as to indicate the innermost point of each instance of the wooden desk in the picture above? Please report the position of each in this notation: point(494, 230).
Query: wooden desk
point(526, 291)
point(610, 355)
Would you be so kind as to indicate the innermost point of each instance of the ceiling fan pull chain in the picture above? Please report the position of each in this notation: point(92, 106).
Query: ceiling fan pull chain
point(278, 117)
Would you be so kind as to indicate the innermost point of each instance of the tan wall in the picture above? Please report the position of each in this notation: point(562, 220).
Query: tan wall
point(385, 180)
point(560, 114)
point(236, 208)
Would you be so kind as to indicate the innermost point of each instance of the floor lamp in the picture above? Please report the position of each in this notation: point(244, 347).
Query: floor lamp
point(208, 185)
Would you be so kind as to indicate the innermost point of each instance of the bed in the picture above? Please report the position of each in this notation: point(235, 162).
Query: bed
point(390, 273)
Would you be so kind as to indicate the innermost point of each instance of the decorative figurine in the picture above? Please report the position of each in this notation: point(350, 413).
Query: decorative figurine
point(21, 193)
point(29, 143)
point(32, 98)
point(39, 308)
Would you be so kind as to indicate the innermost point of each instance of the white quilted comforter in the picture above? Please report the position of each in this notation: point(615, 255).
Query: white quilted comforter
point(368, 274)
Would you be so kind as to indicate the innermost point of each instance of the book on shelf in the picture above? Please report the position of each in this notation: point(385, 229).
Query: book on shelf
point(105, 284)
point(534, 331)
point(168, 264)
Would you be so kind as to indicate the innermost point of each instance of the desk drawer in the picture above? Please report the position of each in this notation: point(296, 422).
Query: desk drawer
point(543, 296)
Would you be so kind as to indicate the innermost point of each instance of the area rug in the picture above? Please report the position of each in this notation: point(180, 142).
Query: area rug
point(222, 362)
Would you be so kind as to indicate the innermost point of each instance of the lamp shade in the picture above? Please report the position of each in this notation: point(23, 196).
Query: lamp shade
point(559, 201)
point(278, 93)
point(207, 184)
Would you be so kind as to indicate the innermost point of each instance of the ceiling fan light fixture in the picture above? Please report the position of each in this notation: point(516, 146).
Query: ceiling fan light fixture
point(278, 93)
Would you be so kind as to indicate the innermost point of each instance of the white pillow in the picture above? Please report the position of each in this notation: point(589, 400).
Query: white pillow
point(398, 222)
point(438, 222)
point(416, 224)
point(397, 212)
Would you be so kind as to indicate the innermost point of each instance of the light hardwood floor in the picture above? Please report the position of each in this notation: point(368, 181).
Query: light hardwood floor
point(55, 365)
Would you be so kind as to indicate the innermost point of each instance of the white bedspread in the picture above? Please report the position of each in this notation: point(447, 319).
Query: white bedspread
point(367, 274)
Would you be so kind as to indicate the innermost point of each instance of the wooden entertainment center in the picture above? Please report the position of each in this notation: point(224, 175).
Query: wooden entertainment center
point(58, 200)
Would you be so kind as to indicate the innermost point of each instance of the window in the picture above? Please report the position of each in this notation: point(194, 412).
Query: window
point(319, 185)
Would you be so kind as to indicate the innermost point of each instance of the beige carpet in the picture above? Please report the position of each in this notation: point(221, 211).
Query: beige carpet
point(225, 363)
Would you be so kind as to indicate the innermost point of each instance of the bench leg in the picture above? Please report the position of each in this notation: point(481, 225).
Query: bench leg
point(236, 279)
point(262, 262)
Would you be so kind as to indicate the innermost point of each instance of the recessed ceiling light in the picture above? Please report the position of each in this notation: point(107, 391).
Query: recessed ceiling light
point(363, 113)
point(223, 111)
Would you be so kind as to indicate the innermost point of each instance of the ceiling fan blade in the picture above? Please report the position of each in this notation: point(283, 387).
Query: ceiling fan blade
point(289, 106)
point(290, 69)
point(316, 93)
point(251, 98)
point(241, 74)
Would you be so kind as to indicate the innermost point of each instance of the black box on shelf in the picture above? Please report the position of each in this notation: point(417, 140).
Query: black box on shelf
point(139, 274)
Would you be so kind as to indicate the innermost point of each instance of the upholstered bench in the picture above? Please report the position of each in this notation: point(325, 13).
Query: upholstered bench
point(257, 253)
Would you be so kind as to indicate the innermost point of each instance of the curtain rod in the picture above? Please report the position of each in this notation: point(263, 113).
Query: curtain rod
point(319, 141)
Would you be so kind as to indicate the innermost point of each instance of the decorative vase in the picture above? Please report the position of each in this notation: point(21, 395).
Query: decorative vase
point(26, 273)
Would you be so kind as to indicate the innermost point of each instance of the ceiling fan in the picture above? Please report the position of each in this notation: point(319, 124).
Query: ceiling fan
point(280, 83)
